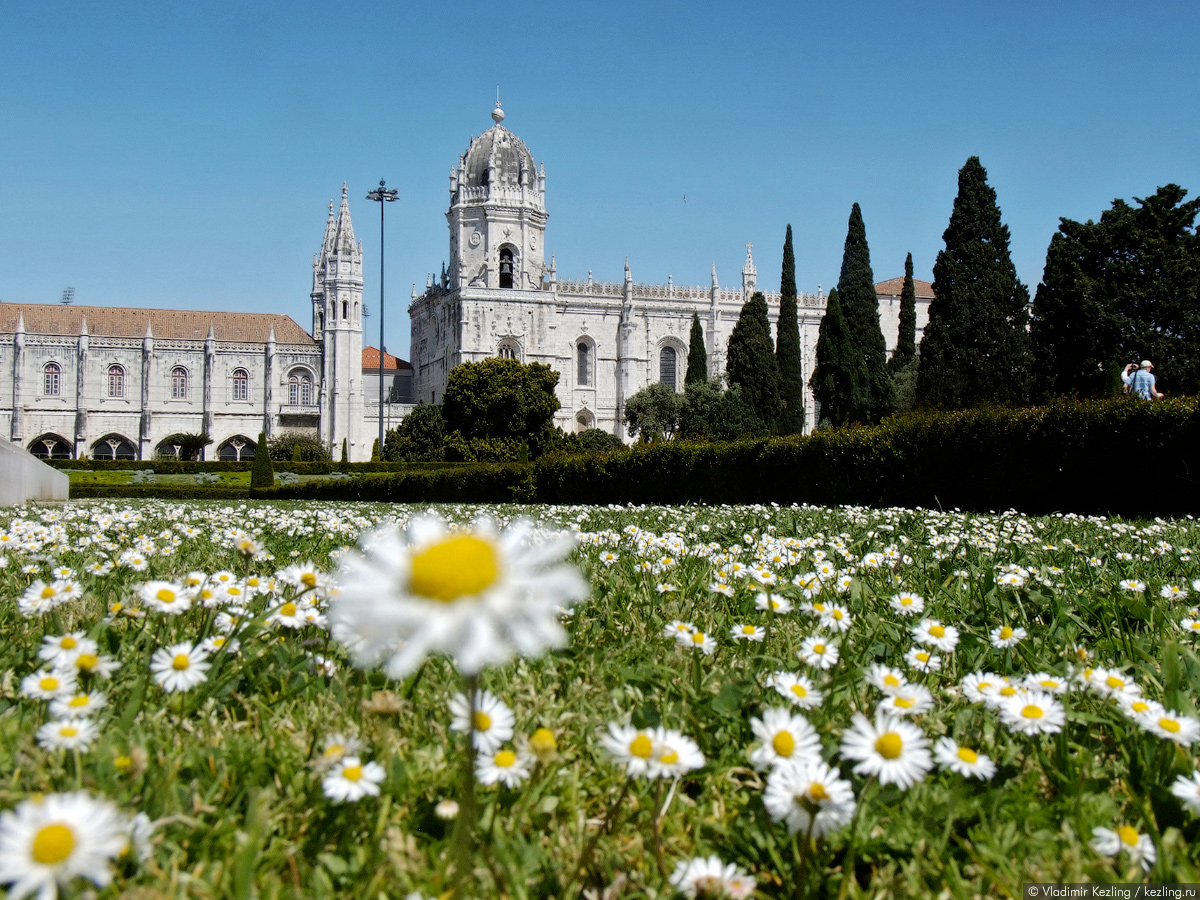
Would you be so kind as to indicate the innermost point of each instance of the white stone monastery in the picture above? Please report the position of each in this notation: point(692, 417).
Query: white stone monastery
point(117, 383)
point(607, 340)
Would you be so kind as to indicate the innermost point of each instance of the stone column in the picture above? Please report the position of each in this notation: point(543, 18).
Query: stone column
point(145, 438)
point(81, 411)
point(268, 393)
point(210, 359)
point(18, 366)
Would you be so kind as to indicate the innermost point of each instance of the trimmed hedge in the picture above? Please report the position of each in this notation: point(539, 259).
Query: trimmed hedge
point(160, 492)
point(185, 467)
point(478, 483)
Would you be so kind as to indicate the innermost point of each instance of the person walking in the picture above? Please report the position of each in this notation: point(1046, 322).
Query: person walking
point(1141, 381)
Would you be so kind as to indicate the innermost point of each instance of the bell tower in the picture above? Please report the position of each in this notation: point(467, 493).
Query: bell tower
point(337, 325)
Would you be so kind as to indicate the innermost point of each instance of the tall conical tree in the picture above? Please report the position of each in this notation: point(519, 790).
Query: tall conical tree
point(750, 359)
point(787, 346)
point(839, 381)
point(976, 347)
point(906, 340)
point(860, 305)
point(697, 363)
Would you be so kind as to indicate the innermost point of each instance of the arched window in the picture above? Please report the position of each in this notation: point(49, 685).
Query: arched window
point(584, 420)
point(300, 392)
point(50, 446)
point(345, 310)
point(116, 382)
point(52, 379)
point(509, 350)
point(583, 363)
point(179, 383)
point(241, 384)
point(114, 446)
point(506, 268)
point(666, 367)
point(236, 449)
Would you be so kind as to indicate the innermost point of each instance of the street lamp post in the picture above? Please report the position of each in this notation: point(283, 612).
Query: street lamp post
point(383, 196)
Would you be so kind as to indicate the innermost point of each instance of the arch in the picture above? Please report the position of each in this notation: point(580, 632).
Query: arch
point(236, 449)
point(52, 379)
point(300, 387)
point(584, 419)
point(507, 265)
point(509, 349)
point(51, 446)
point(585, 362)
point(116, 381)
point(345, 310)
point(239, 381)
point(672, 357)
point(179, 383)
point(114, 446)
point(166, 450)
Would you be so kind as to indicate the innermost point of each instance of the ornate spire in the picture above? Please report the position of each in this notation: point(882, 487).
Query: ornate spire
point(83, 329)
point(748, 268)
point(20, 321)
point(714, 273)
point(343, 233)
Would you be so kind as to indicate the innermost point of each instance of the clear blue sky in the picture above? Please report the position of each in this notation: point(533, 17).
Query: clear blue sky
point(182, 154)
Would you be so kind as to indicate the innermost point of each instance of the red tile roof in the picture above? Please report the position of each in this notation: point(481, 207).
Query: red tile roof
point(370, 361)
point(170, 324)
point(893, 286)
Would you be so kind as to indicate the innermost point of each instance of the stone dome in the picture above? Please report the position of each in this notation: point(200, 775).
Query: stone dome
point(505, 151)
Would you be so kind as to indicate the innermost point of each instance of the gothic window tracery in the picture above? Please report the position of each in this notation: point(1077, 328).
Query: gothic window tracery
point(667, 360)
point(509, 350)
point(52, 379)
point(300, 389)
point(241, 384)
point(179, 383)
point(583, 364)
point(116, 381)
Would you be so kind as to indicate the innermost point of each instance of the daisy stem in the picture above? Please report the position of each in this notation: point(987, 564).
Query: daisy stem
point(464, 832)
point(848, 857)
point(78, 769)
point(606, 825)
point(655, 827)
point(802, 850)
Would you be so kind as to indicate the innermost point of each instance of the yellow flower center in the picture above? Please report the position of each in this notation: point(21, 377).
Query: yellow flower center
point(68, 643)
point(1140, 706)
point(460, 566)
point(698, 637)
point(78, 701)
point(641, 747)
point(181, 662)
point(335, 751)
point(68, 731)
point(923, 657)
point(87, 661)
point(903, 703)
point(891, 681)
point(543, 741)
point(1005, 633)
point(308, 579)
point(288, 609)
point(889, 745)
point(937, 631)
point(505, 759)
point(747, 629)
point(837, 615)
point(48, 684)
point(670, 757)
point(819, 649)
point(1007, 691)
point(122, 762)
point(799, 690)
point(352, 773)
point(906, 601)
point(1170, 725)
point(47, 592)
point(966, 754)
point(1031, 711)
point(1114, 682)
point(165, 595)
point(483, 722)
point(1048, 683)
point(817, 792)
point(784, 744)
point(53, 844)
point(1128, 835)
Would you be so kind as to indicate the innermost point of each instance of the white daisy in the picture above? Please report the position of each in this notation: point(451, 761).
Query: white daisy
point(808, 793)
point(1169, 724)
point(783, 737)
point(475, 595)
point(674, 754)
point(909, 700)
point(1112, 683)
point(949, 754)
point(1188, 790)
point(1033, 712)
point(68, 734)
point(491, 724)
point(630, 746)
point(922, 660)
point(818, 652)
point(885, 678)
point(796, 688)
point(179, 667)
point(335, 748)
point(165, 597)
point(698, 640)
point(908, 604)
point(62, 649)
point(1007, 636)
point(676, 627)
point(710, 877)
point(46, 843)
point(1138, 847)
point(49, 684)
point(352, 779)
point(777, 604)
point(836, 618)
point(748, 633)
point(892, 749)
point(1044, 681)
point(507, 767)
point(77, 704)
point(935, 634)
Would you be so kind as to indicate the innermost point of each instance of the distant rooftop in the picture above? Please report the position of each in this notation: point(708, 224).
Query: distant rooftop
point(893, 286)
point(171, 324)
point(370, 361)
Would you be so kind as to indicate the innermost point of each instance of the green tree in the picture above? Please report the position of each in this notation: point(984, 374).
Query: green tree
point(1118, 291)
point(976, 347)
point(262, 474)
point(502, 398)
point(345, 455)
point(860, 306)
point(191, 444)
point(697, 361)
point(906, 340)
point(311, 447)
point(750, 360)
point(711, 412)
point(418, 437)
point(375, 450)
point(296, 457)
point(839, 380)
point(652, 414)
point(787, 346)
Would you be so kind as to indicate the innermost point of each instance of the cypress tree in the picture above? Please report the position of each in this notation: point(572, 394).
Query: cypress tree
point(750, 360)
point(697, 362)
point(787, 346)
point(345, 456)
point(839, 381)
point(375, 451)
point(860, 306)
point(976, 347)
point(906, 340)
point(262, 473)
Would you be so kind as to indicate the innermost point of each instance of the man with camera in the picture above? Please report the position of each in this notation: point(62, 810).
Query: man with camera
point(1141, 381)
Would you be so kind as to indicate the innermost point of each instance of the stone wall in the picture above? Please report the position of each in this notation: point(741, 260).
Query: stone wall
point(23, 477)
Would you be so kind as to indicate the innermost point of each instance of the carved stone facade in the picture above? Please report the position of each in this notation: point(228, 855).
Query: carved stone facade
point(607, 340)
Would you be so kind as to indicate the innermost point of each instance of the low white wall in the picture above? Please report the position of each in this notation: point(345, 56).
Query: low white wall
point(24, 477)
